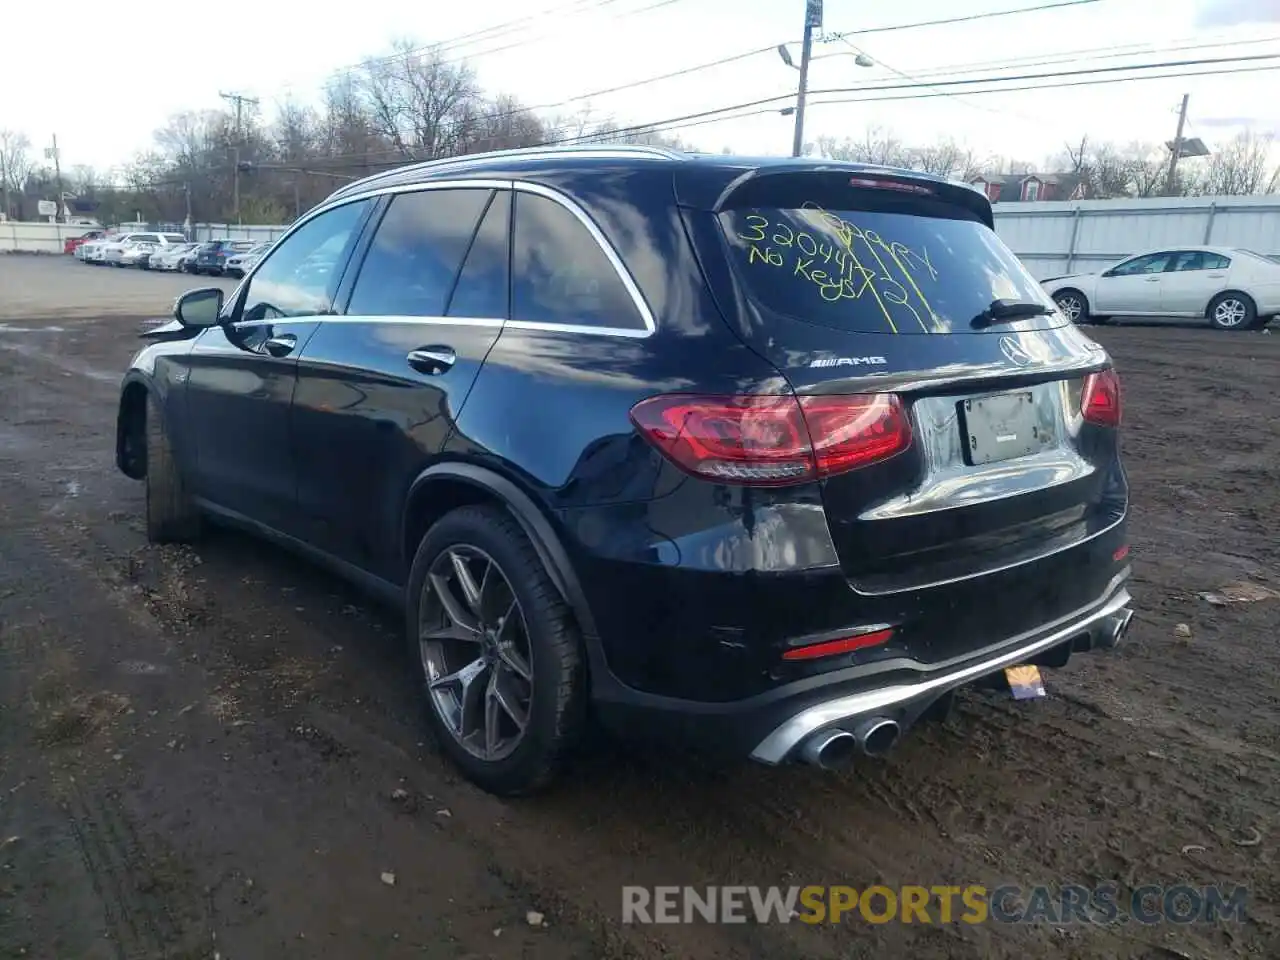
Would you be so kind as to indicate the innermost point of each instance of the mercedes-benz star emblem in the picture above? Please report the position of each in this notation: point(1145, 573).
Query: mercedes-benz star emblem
point(1015, 352)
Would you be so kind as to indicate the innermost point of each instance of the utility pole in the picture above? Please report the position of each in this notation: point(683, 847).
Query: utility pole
point(4, 180)
point(812, 21)
point(57, 174)
point(239, 100)
point(1177, 148)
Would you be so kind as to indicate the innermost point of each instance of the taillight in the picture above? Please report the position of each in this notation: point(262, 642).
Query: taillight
point(772, 440)
point(1100, 401)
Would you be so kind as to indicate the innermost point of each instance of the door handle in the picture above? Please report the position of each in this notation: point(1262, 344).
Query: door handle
point(280, 345)
point(432, 360)
point(1152, 279)
point(1217, 276)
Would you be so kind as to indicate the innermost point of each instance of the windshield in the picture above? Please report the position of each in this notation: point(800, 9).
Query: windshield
point(877, 271)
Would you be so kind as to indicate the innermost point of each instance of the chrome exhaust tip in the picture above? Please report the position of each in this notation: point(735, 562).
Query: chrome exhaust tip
point(829, 749)
point(1114, 628)
point(877, 736)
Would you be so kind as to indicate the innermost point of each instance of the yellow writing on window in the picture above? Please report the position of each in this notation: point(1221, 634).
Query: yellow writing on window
point(845, 262)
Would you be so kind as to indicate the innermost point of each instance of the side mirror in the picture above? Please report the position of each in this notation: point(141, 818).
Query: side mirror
point(199, 308)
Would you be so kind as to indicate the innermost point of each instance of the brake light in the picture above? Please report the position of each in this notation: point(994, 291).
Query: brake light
point(1100, 402)
point(829, 648)
point(872, 183)
point(772, 440)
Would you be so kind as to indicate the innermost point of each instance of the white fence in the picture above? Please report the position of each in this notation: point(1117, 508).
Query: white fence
point(226, 231)
point(39, 237)
point(45, 237)
point(1057, 238)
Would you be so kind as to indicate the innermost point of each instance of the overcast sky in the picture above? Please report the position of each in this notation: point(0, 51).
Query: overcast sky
point(161, 59)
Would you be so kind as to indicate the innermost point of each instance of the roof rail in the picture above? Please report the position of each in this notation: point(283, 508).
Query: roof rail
point(518, 153)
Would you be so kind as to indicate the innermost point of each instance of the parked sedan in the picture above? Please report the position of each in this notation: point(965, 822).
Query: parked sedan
point(623, 450)
point(171, 258)
point(241, 263)
point(1232, 288)
point(94, 251)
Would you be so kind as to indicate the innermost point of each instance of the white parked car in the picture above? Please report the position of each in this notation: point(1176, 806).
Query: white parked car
point(135, 249)
point(94, 250)
point(170, 257)
point(1232, 288)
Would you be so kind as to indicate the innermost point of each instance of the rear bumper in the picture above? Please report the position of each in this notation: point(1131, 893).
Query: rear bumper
point(772, 727)
point(904, 701)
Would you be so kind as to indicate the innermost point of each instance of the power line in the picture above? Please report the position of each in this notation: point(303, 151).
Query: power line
point(663, 126)
point(965, 19)
point(959, 99)
point(646, 127)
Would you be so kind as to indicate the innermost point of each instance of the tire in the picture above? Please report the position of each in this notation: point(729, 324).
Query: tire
point(544, 642)
point(172, 517)
point(1073, 304)
point(1233, 310)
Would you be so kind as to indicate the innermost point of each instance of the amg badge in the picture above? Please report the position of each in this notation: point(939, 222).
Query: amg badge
point(847, 361)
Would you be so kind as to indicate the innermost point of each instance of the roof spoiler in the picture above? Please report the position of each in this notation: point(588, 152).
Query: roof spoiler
point(861, 176)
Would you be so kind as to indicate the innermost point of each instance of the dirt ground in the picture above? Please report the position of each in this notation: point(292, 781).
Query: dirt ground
point(217, 752)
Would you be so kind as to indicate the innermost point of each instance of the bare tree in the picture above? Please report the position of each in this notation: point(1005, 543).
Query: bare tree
point(15, 165)
point(878, 146)
point(418, 100)
point(1241, 168)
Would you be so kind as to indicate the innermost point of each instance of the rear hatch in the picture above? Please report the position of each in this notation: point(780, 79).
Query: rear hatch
point(875, 283)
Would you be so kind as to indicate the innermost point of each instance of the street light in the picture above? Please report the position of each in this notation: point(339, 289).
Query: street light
point(812, 21)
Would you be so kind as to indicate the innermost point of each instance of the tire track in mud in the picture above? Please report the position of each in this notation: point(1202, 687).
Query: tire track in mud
point(138, 900)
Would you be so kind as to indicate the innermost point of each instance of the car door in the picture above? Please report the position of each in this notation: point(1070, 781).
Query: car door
point(242, 372)
point(1132, 287)
point(380, 387)
point(1191, 280)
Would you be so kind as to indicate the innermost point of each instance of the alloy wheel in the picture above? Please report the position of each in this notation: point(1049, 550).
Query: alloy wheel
point(476, 653)
point(1230, 312)
point(1071, 307)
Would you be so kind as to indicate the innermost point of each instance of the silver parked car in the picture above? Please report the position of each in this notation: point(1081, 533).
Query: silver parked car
point(241, 263)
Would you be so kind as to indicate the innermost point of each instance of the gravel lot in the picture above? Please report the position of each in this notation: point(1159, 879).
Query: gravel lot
point(217, 751)
point(34, 287)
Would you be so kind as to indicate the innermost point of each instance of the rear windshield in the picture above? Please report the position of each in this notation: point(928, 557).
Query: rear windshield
point(878, 271)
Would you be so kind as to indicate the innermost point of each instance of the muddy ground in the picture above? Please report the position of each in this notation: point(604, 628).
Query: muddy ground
point(217, 752)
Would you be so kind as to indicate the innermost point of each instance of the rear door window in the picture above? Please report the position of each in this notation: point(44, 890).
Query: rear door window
point(417, 252)
point(560, 273)
point(877, 270)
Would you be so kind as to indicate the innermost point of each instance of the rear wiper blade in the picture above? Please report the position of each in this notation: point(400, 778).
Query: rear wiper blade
point(1003, 311)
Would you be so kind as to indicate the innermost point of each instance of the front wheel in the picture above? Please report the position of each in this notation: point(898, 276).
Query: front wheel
point(1233, 311)
point(497, 652)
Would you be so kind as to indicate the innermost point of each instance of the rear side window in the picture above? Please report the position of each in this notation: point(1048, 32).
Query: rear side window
point(876, 271)
point(484, 285)
point(417, 252)
point(561, 274)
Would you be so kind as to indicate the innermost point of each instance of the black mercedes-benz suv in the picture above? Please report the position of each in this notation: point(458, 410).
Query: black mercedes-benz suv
point(764, 457)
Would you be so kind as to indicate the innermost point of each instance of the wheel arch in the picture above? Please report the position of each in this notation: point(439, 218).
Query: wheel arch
point(1229, 292)
point(131, 423)
point(446, 486)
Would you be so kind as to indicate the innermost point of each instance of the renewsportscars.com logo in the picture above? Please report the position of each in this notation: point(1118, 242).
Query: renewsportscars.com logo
point(937, 904)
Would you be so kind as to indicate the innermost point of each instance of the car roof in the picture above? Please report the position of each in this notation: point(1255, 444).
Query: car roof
point(701, 178)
